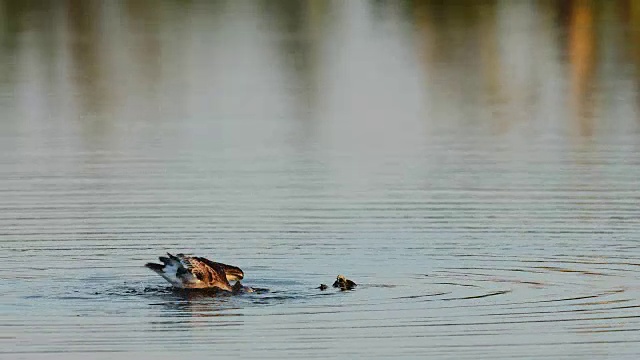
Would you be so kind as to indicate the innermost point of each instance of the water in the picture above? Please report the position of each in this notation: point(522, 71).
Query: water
point(473, 166)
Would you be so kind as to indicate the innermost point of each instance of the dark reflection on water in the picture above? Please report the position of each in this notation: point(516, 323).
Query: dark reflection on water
point(473, 165)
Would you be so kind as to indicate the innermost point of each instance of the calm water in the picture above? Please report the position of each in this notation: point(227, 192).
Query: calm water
point(474, 166)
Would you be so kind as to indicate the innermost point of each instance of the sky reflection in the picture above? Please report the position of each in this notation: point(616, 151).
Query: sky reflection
point(99, 65)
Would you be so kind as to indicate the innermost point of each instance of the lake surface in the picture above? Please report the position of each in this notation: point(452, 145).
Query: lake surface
point(474, 166)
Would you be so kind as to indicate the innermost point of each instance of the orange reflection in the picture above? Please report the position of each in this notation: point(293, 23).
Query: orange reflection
point(630, 13)
point(582, 60)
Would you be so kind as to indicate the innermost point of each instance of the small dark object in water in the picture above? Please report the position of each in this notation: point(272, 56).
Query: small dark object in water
point(239, 288)
point(343, 283)
point(322, 287)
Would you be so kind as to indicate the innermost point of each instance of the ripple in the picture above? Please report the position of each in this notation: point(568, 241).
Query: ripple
point(486, 205)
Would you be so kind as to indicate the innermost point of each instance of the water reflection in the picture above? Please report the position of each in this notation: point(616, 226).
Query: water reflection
point(476, 159)
point(129, 60)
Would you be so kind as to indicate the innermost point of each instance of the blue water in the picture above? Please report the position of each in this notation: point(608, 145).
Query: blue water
point(472, 166)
